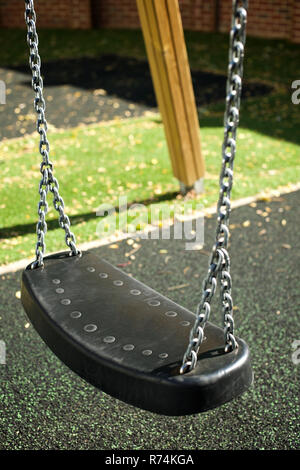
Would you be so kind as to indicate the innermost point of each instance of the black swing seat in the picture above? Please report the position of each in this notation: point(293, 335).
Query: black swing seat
point(128, 340)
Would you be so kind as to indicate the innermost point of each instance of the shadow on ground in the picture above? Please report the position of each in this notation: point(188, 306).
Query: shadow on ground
point(90, 90)
point(52, 224)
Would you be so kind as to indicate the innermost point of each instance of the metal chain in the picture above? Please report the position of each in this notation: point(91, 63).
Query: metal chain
point(48, 181)
point(219, 262)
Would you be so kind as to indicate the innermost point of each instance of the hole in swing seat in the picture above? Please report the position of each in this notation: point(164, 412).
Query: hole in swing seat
point(130, 346)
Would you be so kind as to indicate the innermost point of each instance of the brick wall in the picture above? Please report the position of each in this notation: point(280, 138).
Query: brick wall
point(115, 13)
point(198, 15)
point(296, 22)
point(51, 14)
point(267, 18)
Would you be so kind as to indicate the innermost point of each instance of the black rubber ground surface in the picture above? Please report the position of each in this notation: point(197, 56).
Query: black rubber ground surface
point(85, 91)
point(46, 406)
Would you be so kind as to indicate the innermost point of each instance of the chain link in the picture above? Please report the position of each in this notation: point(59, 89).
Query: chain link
point(219, 262)
point(48, 182)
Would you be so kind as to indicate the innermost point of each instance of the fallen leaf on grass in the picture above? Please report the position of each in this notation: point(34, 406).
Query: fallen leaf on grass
point(100, 92)
point(123, 265)
point(264, 199)
point(132, 252)
point(180, 286)
point(247, 223)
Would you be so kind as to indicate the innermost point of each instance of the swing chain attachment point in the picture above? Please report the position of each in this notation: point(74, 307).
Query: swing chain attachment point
point(48, 182)
point(219, 262)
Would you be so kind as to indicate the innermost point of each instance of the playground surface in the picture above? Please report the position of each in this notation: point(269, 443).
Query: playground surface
point(46, 406)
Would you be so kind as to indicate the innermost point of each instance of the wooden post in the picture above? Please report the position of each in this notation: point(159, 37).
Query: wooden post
point(168, 60)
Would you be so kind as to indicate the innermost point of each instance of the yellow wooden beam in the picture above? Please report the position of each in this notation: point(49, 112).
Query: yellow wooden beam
point(159, 77)
point(167, 55)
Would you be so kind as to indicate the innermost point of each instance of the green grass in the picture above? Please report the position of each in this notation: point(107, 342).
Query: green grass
point(98, 163)
point(133, 162)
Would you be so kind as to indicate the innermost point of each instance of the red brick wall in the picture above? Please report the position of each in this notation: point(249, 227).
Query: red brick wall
point(115, 13)
point(267, 18)
point(198, 14)
point(51, 14)
point(296, 22)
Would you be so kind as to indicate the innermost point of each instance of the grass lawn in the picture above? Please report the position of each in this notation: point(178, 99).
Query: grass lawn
point(96, 164)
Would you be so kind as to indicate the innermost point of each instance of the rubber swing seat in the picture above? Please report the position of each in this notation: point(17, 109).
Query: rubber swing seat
point(128, 340)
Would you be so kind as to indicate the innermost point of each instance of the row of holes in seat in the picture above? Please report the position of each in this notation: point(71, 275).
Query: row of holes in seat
point(90, 328)
point(119, 283)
